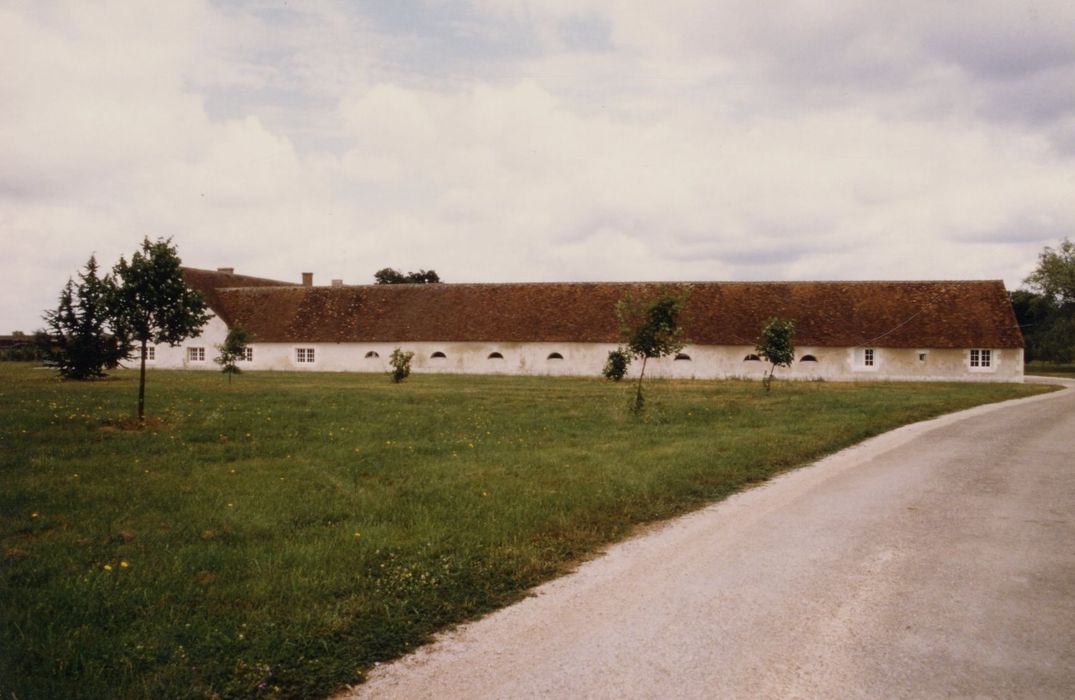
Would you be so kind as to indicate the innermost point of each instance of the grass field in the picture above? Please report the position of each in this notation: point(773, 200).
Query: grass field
point(1052, 369)
point(278, 535)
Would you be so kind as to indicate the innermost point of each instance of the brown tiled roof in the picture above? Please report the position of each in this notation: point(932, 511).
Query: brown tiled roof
point(886, 314)
point(209, 282)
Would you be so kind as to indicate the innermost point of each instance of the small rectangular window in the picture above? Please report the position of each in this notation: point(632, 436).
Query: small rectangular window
point(865, 359)
point(981, 359)
point(196, 354)
point(151, 353)
point(247, 355)
point(304, 355)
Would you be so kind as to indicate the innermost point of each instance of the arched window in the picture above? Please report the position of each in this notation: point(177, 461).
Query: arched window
point(371, 355)
point(554, 356)
point(495, 356)
point(752, 358)
point(683, 356)
point(808, 358)
point(438, 355)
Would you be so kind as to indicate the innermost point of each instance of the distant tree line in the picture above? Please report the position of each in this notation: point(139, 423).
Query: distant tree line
point(20, 347)
point(390, 275)
point(1045, 306)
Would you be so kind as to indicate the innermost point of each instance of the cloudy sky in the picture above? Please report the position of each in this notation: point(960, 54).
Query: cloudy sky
point(507, 140)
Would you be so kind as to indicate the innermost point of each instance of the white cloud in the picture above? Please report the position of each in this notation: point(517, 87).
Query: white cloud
point(641, 141)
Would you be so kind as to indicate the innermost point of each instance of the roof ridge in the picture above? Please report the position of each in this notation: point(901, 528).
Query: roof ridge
point(443, 285)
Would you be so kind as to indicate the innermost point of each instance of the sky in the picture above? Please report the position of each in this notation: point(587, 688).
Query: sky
point(507, 140)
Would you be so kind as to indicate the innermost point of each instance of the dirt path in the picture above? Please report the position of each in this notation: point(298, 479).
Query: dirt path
point(936, 560)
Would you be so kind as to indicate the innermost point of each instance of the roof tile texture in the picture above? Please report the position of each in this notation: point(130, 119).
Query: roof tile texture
point(955, 314)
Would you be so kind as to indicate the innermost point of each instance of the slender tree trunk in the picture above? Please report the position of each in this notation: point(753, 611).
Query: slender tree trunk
point(769, 379)
point(638, 392)
point(142, 385)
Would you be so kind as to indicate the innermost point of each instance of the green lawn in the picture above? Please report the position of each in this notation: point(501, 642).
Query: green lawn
point(1052, 369)
point(278, 535)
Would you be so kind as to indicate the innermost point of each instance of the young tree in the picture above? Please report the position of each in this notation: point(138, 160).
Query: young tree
point(231, 351)
point(81, 325)
point(776, 344)
point(401, 365)
point(152, 303)
point(651, 329)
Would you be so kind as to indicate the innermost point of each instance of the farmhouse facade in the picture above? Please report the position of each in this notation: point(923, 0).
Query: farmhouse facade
point(920, 331)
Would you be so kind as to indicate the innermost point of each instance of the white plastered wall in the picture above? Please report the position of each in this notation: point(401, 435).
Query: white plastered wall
point(168, 357)
point(587, 359)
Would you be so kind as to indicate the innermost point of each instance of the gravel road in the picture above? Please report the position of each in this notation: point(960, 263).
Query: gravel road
point(934, 561)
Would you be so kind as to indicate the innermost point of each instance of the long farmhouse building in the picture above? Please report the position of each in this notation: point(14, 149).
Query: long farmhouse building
point(943, 330)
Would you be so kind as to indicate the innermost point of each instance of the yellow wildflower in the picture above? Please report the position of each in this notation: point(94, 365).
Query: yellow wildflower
point(107, 567)
point(123, 564)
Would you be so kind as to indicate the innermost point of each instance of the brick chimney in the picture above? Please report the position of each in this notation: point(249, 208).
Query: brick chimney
point(229, 270)
point(337, 283)
point(307, 279)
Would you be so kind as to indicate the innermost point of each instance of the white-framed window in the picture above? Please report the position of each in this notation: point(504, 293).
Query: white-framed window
point(247, 355)
point(151, 353)
point(981, 359)
point(196, 354)
point(866, 359)
point(304, 355)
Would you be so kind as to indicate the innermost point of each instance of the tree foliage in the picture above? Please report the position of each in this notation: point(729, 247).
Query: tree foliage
point(389, 275)
point(651, 329)
point(153, 303)
point(1046, 308)
point(232, 350)
point(82, 326)
point(1054, 277)
point(777, 345)
point(27, 348)
point(401, 365)
point(616, 365)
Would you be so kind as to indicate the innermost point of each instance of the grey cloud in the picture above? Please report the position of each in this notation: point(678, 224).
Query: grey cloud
point(739, 253)
point(1013, 44)
point(586, 33)
point(1044, 98)
point(1042, 230)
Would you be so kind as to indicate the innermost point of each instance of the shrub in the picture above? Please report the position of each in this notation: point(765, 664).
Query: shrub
point(616, 365)
point(401, 365)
